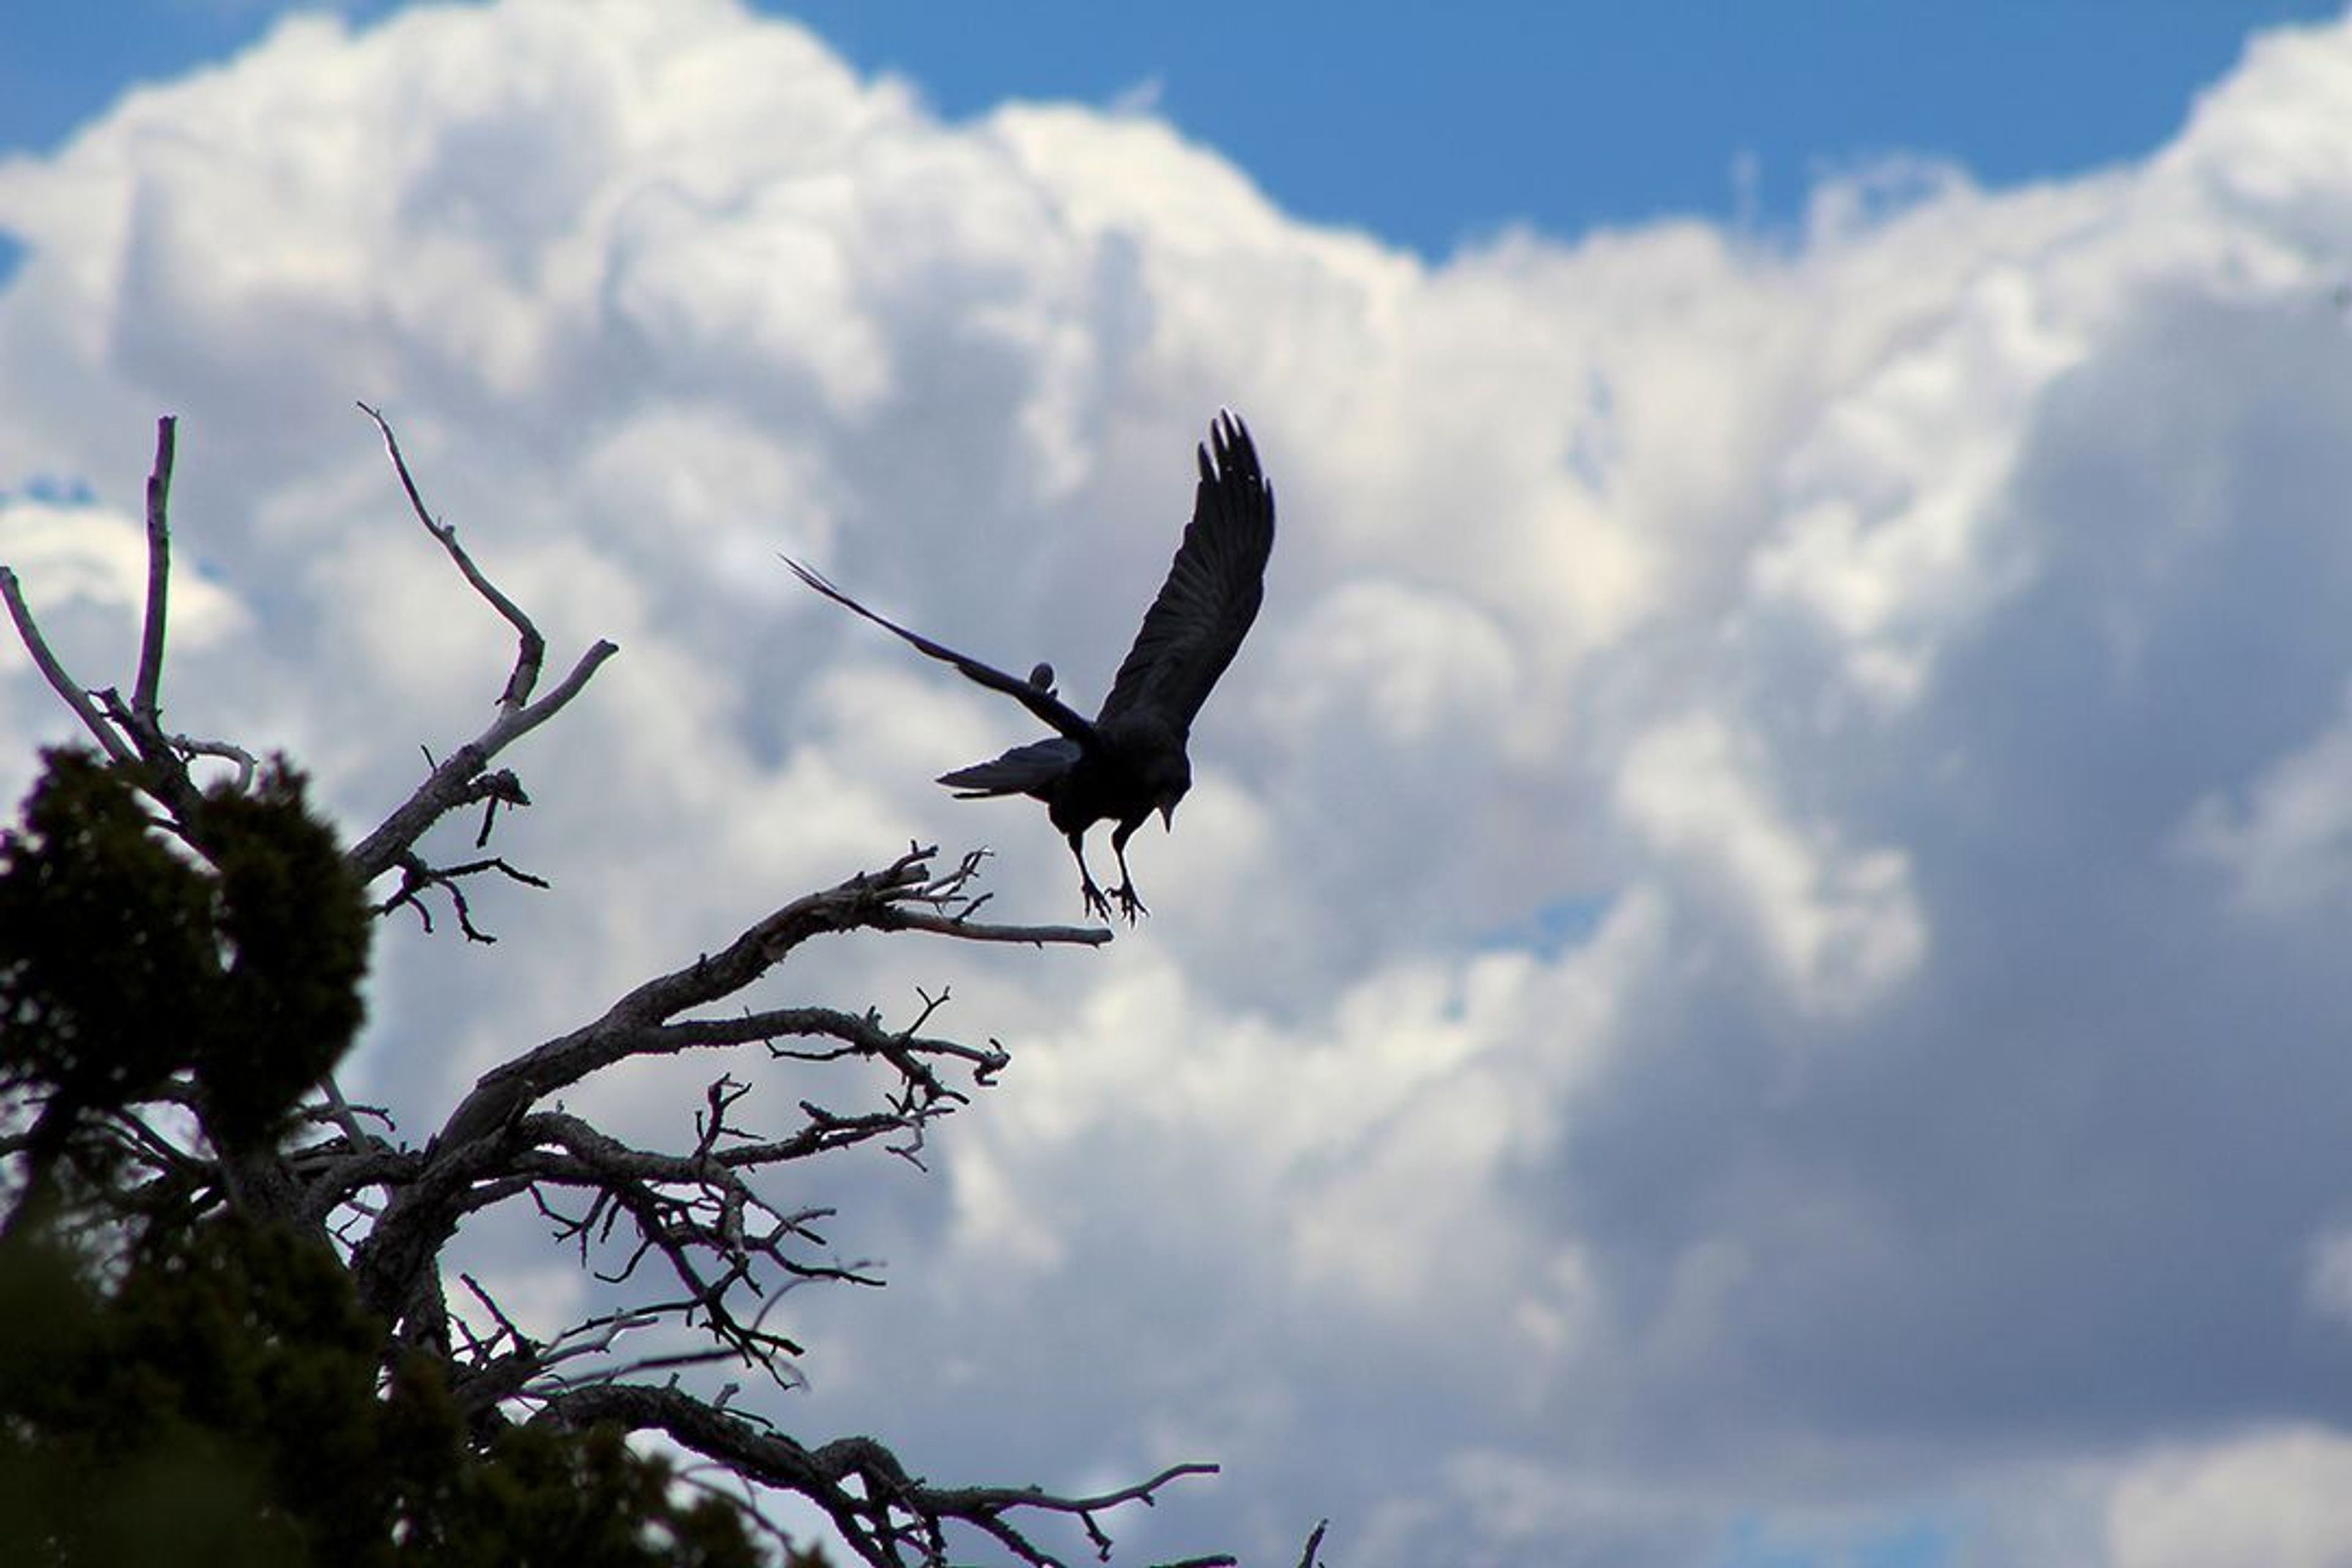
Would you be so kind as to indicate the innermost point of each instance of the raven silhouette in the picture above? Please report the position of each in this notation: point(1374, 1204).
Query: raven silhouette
point(1129, 759)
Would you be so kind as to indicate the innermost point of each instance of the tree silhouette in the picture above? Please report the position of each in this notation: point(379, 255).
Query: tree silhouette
point(233, 1332)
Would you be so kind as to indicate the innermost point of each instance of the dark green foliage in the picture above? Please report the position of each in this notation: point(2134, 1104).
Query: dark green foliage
point(221, 1405)
point(295, 927)
point(186, 1392)
point(106, 938)
point(124, 960)
point(171, 1421)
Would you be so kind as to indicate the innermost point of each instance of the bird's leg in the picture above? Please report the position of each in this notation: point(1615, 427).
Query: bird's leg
point(1130, 904)
point(1096, 905)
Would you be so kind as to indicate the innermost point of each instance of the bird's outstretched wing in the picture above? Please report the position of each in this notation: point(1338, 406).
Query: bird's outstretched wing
point(1034, 698)
point(1214, 586)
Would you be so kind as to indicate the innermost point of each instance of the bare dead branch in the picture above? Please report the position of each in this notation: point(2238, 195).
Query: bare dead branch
point(71, 692)
point(144, 700)
point(859, 1034)
point(694, 1211)
point(133, 730)
point(946, 908)
point(484, 1148)
point(1031, 936)
point(248, 764)
point(416, 878)
point(498, 789)
point(497, 1314)
point(638, 1024)
point(891, 1520)
point(340, 1111)
point(459, 782)
point(452, 784)
point(531, 651)
point(165, 778)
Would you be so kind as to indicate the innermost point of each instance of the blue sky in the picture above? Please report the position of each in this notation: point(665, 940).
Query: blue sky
point(1753, 971)
point(1426, 124)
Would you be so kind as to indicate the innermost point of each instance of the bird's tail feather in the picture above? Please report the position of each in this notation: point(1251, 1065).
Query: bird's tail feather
point(1023, 770)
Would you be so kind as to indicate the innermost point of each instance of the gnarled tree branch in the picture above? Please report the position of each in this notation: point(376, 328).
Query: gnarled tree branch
point(889, 1518)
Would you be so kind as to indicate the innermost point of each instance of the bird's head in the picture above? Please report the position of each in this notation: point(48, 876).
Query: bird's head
point(1172, 790)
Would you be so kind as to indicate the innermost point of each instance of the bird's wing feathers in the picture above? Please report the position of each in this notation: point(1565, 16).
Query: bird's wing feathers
point(1021, 771)
point(1212, 591)
point(1050, 708)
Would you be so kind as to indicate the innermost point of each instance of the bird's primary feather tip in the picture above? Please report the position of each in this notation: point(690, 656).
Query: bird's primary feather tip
point(1228, 450)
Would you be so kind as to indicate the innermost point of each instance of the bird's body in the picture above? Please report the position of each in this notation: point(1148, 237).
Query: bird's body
point(1136, 765)
point(1130, 760)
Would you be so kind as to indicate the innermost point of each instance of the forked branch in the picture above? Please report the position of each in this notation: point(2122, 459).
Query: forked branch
point(123, 734)
point(456, 782)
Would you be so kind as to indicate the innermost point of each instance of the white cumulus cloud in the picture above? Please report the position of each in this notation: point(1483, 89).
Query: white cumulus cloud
point(1921, 633)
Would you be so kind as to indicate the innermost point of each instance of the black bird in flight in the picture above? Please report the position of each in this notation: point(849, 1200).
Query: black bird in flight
point(1128, 761)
